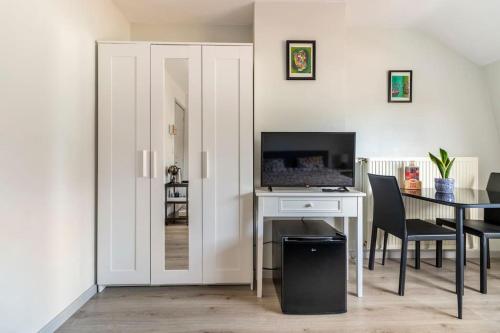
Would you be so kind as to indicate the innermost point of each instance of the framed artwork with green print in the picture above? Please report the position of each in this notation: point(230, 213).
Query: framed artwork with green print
point(400, 86)
point(301, 60)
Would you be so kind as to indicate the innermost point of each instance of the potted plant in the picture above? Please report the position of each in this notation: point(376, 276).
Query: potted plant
point(444, 164)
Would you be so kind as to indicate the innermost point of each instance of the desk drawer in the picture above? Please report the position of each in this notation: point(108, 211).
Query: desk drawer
point(314, 205)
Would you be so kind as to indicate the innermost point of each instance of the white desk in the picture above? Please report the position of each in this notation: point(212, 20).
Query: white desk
point(310, 203)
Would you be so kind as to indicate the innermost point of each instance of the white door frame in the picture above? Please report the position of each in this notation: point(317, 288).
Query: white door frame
point(159, 54)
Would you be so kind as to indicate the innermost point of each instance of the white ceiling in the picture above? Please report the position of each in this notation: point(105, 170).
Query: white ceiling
point(471, 27)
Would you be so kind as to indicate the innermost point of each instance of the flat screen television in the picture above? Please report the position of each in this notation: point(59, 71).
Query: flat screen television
point(308, 159)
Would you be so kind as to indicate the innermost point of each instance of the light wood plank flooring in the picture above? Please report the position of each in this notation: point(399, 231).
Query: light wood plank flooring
point(176, 246)
point(428, 306)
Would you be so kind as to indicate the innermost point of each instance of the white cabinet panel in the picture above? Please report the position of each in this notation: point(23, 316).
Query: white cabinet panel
point(123, 178)
point(227, 143)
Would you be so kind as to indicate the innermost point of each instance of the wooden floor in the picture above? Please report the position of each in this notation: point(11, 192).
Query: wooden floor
point(429, 306)
point(176, 246)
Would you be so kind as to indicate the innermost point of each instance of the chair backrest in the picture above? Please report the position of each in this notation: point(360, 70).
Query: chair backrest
point(492, 215)
point(388, 207)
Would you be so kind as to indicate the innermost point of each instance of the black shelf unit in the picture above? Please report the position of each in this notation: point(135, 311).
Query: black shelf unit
point(174, 216)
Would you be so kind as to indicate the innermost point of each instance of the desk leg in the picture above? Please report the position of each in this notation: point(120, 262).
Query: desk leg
point(359, 248)
point(260, 245)
point(459, 219)
point(346, 232)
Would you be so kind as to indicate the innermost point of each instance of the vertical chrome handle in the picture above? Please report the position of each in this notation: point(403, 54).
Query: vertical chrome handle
point(204, 164)
point(153, 163)
point(144, 164)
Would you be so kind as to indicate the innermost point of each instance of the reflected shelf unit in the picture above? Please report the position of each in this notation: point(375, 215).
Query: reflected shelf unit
point(173, 201)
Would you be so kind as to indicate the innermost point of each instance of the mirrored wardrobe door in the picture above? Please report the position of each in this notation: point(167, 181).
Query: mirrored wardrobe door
point(176, 185)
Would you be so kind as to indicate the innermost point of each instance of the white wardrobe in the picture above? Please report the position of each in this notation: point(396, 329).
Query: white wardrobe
point(209, 135)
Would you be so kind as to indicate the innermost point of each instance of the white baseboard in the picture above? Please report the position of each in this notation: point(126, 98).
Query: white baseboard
point(70, 310)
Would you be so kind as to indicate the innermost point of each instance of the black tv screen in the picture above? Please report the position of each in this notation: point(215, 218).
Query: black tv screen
point(298, 159)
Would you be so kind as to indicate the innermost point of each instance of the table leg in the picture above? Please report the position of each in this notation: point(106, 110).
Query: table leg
point(260, 245)
point(346, 232)
point(359, 249)
point(459, 219)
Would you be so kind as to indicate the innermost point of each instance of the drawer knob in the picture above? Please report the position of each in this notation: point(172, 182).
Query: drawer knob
point(309, 205)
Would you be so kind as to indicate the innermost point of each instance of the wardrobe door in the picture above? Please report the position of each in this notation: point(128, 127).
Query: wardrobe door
point(228, 164)
point(123, 210)
point(176, 209)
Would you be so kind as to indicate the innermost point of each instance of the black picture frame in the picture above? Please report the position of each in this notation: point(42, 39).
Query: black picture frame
point(291, 76)
point(391, 99)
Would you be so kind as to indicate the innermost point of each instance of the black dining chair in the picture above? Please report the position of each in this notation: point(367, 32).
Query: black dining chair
point(389, 215)
point(486, 229)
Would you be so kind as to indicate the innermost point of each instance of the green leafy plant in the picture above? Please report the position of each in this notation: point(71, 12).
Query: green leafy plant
point(444, 164)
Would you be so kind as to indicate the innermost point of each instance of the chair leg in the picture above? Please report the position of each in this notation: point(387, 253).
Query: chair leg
point(483, 264)
point(402, 267)
point(488, 246)
point(371, 262)
point(417, 255)
point(439, 250)
point(439, 253)
point(385, 247)
point(465, 249)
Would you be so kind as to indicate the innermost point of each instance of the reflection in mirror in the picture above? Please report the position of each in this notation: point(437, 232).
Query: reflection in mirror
point(176, 115)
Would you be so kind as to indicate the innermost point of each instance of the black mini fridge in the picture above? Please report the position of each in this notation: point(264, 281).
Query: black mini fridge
point(309, 267)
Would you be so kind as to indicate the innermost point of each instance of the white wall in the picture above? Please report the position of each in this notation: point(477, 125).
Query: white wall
point(451, 106)
point(192, 33)
point(492, 73)
point(47, 154)
point(450, 109)
point(282, 105)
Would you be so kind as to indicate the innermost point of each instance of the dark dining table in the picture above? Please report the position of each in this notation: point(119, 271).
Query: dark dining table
point(460, 199)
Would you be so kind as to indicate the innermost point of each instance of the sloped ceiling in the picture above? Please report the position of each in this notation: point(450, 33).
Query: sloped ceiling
point(471, 27)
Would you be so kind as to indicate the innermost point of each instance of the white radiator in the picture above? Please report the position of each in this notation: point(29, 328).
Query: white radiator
point(465, 173)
